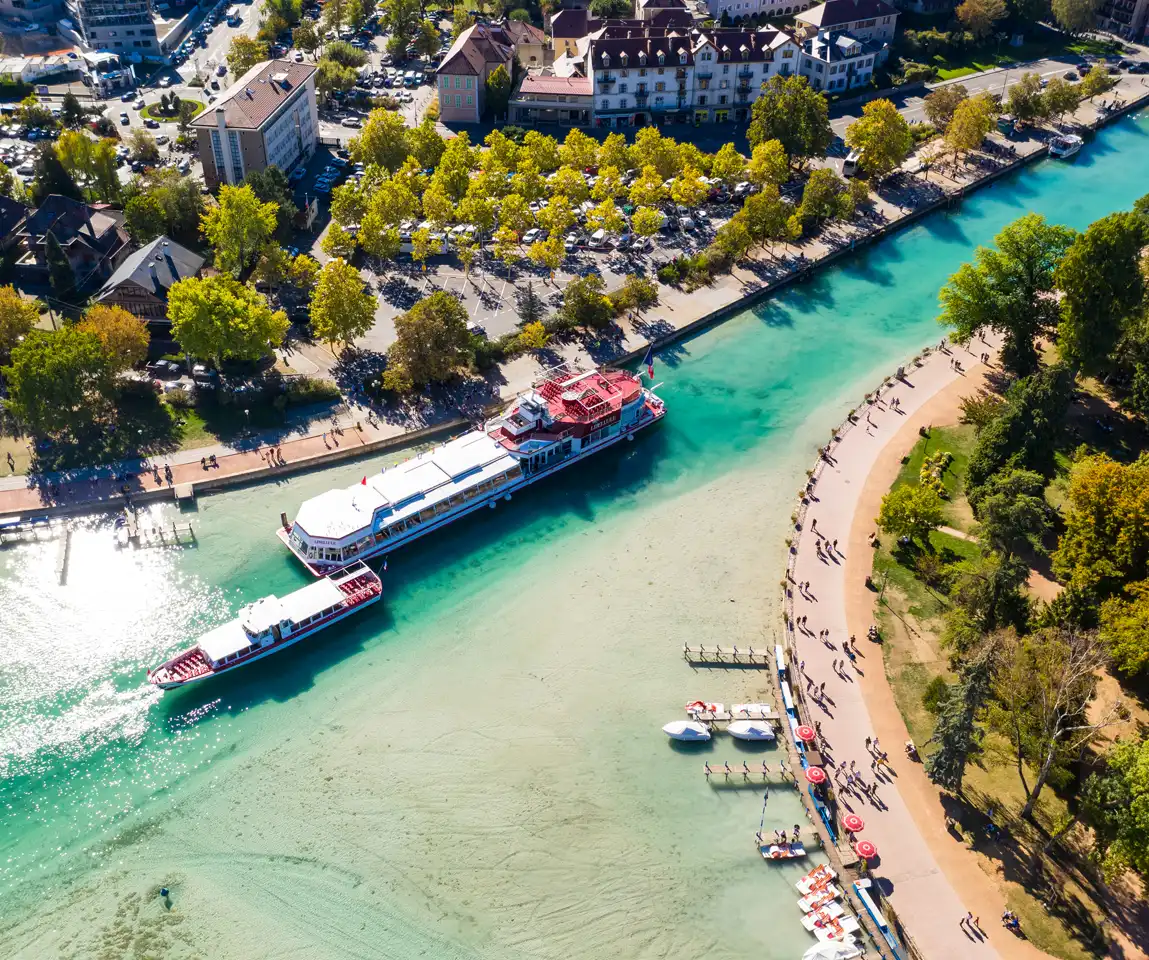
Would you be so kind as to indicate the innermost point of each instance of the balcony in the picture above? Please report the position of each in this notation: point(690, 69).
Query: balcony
point(742, 95)
point(744, 85)
point(606, 79)
point(679, 74)
point(745, 73)
point(705, 74)
point(641, 99)
point(682, 89)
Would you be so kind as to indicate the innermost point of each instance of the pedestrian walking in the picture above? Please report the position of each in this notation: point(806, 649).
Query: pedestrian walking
point(877, 748)
point(834, 546)
point(802, 668)
point(822, 688)
point(809, 684)
point(869, 740)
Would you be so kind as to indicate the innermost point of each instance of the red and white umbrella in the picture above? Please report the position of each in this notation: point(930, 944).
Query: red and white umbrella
point(863, 848)
point(853, 823)
point(815, 774)
point(806, 734)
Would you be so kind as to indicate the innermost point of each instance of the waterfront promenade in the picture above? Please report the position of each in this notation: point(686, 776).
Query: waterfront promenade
point(679, 313)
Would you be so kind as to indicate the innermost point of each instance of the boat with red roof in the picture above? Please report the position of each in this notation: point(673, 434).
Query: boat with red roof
point(567, 416)
point(270, 625)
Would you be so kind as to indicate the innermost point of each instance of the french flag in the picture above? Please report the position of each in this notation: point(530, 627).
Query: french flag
point(648, 360)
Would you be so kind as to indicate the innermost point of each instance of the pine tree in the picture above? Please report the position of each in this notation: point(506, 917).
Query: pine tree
point(529, 305)
point(957, 734)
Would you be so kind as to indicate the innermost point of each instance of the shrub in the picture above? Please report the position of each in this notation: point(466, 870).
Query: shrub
point(558, 324)
point(520, 14)
point(305, 390)
point(935, 694)
point(922, 132)
point(179, 399)
point(668, 274)
point(432, 111)
point(917, 72)
point(385, 103)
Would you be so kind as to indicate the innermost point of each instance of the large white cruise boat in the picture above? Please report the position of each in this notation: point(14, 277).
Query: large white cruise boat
point(568, 415)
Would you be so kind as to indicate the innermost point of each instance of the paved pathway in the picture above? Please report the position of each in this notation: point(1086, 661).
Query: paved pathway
point(921, 894)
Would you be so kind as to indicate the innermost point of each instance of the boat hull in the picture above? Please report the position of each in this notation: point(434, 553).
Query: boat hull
point(273, 647)
point(387, 546)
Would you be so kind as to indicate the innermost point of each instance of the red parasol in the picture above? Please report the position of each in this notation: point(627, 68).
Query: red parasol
point(863, 848)
point(806, 734)
point(853, 823)
point(815, 774)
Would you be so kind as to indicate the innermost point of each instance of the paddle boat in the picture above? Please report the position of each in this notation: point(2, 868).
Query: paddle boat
point(782, 851)
point(838, 929)
point(834, 950)
point(689, 731)
point(751, 730)
point(823, 915)
point(816, 879)
point(819, 898)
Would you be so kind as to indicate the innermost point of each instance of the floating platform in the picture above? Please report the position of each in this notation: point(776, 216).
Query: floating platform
point(175, 535)
point(725, 716)
point(726, 657)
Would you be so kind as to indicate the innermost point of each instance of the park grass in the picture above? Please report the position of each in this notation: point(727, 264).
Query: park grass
point(959, 441)
point(1053, 900)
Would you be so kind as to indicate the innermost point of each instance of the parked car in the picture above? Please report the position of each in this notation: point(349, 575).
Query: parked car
point(532, 236)
point(152, 124)
point(350, 122)
point(124, 119)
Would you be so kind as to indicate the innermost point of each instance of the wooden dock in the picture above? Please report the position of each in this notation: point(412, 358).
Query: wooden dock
point(725, 716)
point(746, 773)
point(701, 656)
point(31, 531)
point(176, 535)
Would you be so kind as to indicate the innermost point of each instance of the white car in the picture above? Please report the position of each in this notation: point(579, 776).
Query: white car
point(298, 56)
point(162, 139)
point(165, 82)
point(350, 122)
point(139, 104)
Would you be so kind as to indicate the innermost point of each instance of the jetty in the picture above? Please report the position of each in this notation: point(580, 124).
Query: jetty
point(31, 530)
point(175, 535)
point(725, 716)
point(744, 773)
point(701, 656)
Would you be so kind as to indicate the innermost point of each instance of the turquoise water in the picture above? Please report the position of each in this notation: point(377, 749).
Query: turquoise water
point(475, 768)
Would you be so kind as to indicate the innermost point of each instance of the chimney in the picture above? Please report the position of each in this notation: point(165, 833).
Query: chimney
point(155, 276)
point(167, 247)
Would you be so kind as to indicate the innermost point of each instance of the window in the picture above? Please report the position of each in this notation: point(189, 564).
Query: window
point(707, 55)
point(659, 86)
point(470, 100)
point(605, 105)
point(869, 61)
point(446, 82)
point(624, 73)
point(722, 100)
point(642, 73)
point(458, 100)
point(458, 82)
point(661, 71)
point(702, 100)
point(661, 58)
point(787, 54)
point(819, 68)
point(622, 88)
point(682, 58)
point(726, 69)
point(622, 103)
point(623, 58)
point(606, 59)
point(470, 83)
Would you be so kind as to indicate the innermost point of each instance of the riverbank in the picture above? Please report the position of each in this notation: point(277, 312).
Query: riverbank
point(682, 314)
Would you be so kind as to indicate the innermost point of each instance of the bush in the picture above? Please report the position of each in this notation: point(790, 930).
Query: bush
point(558, 324)
point(179, 399)
point(385, 103)
point(935, 694)
point(917, 72)
point(432, 111)
point(306, 390)
point(922, 132)
point(521, 15)
point(668, 274)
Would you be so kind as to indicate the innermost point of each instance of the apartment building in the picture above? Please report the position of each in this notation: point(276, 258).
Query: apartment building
point(734, 10)
point(730, 67)
point(118, 26)
point(640, 77)
point(873, 20)
point(834, 62)
point(1126, 18)
point(268, 118)
point(461, 79)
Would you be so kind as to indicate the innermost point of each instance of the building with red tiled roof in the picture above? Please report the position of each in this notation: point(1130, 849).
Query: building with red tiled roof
point(268, 118)
point(461, 79)
point(545, 98)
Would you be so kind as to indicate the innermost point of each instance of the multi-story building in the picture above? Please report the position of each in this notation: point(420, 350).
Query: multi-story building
point(461, 79)
point(267, 118)
point(834, 62)
point(640, 76)
point(120, 26)
point(730, 67)
point(864, 19)
point(141, 283)
point(734, 10)
point(1126, 18)
point(543, 98)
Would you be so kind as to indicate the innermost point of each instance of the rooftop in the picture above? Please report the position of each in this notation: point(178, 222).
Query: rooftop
point(549, 86)
point(833, 12)
point(252, 100)
point(170, 263)
point(477, 46)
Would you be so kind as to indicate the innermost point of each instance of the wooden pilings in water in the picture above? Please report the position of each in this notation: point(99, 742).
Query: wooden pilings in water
point(726, 656)
point(749, 774)
point(177, 535)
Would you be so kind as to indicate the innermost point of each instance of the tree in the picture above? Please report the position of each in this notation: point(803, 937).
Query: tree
point(569, 183)
point(61, 276)
point(1105, 545)
point(177, 196)
point(514, 214)
point(238, 226)
point(957, 736)
point(58, 381)
point(186, 114)
point(305, 37)
point(1060, 97)
point(479, 212)
point(72, 114)
point(10, 186)
point(1101, 282)
point(1008, 288)
point(506, 246)
point(585, 303)
point(303, 273)
point(528, 182)
point(610, 9)
point(647, 189)
point(911, 511)
point(882, 135)
point(271, 267)
point(402, 19)
point(1115, 804)
point(438, 207)
point(467, 257)
point(17, 318)
point(557, 217)
point(431, 339)
point(605, 217)
point(1012, 512)
point(74, 148)
point(578, 151)
point(652, 149)
point(609, 185)
point(941, 102)
point(1025, 101)
point(341, 309)
point(332, 77)
point(426, 144)
point(822, 197)
point(640, 292)
point(1041, 694)
point(542, 150)
point(244, 53)
point(1076, 16)
point(498, 92)
point(768, 217)
point(688, 188)
point(220, 318)
point(49, 177)
point(979, 16)
point(1025, 433)
point(1096, 81)
point(986, 593)
point(728, 165)
point(421, 247)
point(971, 122)
point(270, 186)
point(646, 221)
point(733, 239)
point(427, 39)
point(548, 253)
point(123, 336)
point(1125, 628)
point(529, 305)
point(615, 153)
point(789, 111)
point(534, 336)
point(143, 146)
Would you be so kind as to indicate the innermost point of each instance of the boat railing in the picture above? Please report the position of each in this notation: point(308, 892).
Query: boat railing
point(191, 663)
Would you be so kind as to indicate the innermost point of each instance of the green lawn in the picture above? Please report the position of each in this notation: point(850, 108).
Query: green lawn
point(153, 110)
point(959, 441)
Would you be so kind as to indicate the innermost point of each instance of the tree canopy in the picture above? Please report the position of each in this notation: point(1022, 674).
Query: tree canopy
point(911, 511)
point(1115, 803)
point(341, 308)
point(17, 318)
point(790, 111)
point(431, 342)
point(123, 336)
point(882, 135)
point(221, 319)
point(238, 226)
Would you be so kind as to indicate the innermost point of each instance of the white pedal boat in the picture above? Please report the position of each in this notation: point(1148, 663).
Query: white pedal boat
point(689, 731)
point(816, 879)
point(751, 730)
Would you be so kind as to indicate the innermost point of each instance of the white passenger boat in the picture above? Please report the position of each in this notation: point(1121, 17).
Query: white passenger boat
point(817, 878)
point(1065, 145)
point(819, 897)
point(823, 915)
point(688, 730)
point(751, 730)
point(567, 416)
point(270, 625)
point(834, 950)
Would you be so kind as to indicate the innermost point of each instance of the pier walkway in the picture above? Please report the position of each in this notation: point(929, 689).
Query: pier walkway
point(924, 898)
